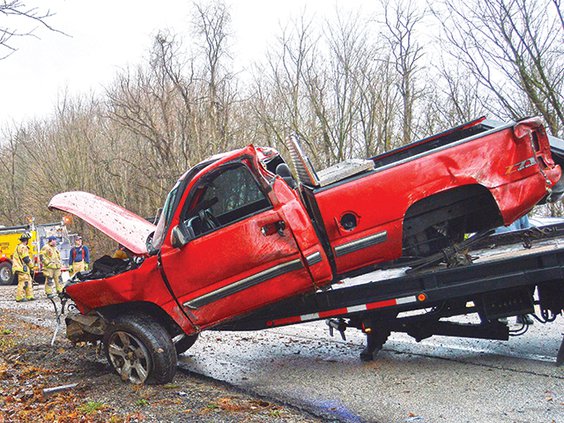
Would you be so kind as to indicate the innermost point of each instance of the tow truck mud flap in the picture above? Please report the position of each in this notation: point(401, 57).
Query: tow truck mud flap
point(551, 295)
point(507, 303)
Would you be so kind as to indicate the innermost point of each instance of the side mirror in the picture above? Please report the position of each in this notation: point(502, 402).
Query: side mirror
point(181, 235)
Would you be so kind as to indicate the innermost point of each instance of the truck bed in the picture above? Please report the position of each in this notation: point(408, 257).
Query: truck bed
point(463, 132)
point(422, 197)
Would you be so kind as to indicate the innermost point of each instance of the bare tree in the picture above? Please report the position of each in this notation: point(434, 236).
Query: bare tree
point(21, 21)
point(453, 99)
point(10, 173)
point(377, 105)
point(280, 98)
point(211, 23)
point(402, 19)
point(336, 88)
point(156, 105)
point(514, 49)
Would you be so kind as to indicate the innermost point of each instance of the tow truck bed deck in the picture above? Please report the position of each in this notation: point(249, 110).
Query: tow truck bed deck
point(511, 271)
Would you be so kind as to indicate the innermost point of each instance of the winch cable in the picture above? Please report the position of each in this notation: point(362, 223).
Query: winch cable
point(446, 253)
point(525, 236)
point(484, 239)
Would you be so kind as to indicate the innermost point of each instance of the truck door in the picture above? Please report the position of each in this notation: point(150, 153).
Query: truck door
point(234, 248)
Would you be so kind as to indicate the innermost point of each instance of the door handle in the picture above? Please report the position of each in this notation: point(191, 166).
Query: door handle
point(272, 228)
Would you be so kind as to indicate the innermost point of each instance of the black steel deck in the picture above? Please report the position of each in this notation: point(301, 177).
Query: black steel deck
point(500, 270)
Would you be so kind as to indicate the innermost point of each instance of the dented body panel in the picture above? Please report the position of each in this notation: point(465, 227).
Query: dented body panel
point(143, 285)
point(502, 160)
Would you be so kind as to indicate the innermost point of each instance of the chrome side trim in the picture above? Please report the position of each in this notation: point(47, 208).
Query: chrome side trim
point(313, 258)
point(361, 243)
point(242, 284)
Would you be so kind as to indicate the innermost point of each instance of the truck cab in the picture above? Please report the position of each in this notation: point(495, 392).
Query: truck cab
point(232, 237)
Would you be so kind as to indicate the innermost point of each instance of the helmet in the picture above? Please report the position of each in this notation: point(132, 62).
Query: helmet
point(52, 238)
point(25, 235)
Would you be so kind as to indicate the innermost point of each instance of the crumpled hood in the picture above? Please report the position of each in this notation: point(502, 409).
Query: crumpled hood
point(120, 224)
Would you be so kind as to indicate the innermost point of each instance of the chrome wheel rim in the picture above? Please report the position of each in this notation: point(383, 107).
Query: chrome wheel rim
point(129, 357)
point(5, 274)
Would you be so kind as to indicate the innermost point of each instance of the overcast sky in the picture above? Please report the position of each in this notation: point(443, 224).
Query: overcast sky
point(108, 35)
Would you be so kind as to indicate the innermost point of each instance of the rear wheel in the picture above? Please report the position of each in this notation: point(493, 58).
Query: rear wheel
point(433, 239)
point(140, 350)
point(5, 273)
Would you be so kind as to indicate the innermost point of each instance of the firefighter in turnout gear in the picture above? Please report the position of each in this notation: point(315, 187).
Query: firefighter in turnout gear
point(22, 268)
point(51, 260)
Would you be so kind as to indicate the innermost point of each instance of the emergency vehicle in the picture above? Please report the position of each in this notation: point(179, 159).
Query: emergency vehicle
point(10, 238)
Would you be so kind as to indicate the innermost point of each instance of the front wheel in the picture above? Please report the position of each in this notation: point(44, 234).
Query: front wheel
point(5, 273)
point(140, 350)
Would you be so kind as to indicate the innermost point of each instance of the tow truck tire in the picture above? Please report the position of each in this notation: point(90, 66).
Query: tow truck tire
point(140, 350)
point(184, 342)
point(6, 276)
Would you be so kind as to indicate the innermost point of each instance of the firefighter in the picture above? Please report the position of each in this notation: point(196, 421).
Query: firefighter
point(121, 253)
point(51, 259)
point(22, 267)
point(79, 258)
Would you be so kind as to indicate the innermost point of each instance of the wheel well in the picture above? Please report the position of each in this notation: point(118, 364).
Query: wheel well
point(146, 308)
point(445, 217)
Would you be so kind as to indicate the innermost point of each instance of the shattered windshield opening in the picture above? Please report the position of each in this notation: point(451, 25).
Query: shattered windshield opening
point(165, 216)
point(172, 202)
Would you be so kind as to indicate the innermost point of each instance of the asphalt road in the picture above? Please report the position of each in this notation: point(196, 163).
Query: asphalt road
point(438, 380)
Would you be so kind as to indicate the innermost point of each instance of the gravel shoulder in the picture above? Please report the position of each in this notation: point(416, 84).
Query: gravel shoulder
point(29, 364)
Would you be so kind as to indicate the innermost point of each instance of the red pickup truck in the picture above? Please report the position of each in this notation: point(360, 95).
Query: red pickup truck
point(238, 233)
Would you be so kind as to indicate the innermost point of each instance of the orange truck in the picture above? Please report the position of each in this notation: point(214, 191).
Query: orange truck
point(10, 238)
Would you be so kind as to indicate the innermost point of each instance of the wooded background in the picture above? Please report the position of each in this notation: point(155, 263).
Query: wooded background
point(352, 86)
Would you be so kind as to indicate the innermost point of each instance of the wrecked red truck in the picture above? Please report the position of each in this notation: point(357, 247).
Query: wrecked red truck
point(238, 234)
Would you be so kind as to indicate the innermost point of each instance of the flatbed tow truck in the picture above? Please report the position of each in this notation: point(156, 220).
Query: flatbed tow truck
point(505, 272)
point(241, 244)
point(502, 275)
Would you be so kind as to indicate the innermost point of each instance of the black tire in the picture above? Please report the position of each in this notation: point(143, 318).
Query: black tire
point(183, 343)
point(140, 350)
point(6, 275)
